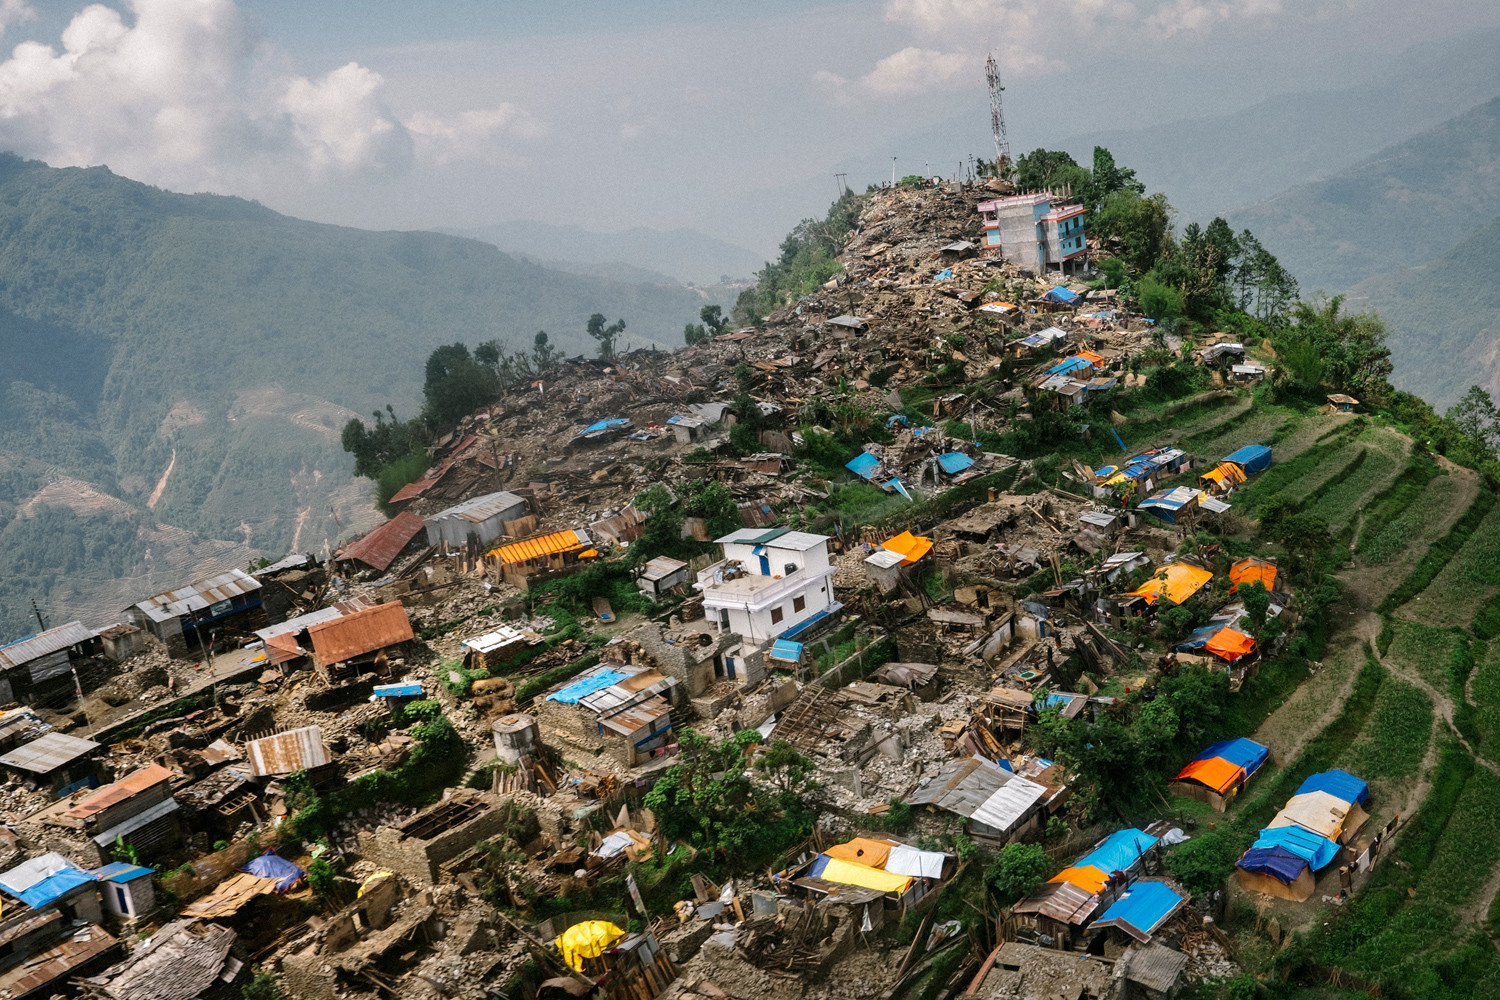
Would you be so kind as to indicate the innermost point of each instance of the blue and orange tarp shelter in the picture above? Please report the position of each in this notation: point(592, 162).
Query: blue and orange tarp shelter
point(1218, 773)
point(1141, 909)
point(1252, 458)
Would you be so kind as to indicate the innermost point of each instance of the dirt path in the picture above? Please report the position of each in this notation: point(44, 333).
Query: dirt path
point(161, 484)
point(302, 516)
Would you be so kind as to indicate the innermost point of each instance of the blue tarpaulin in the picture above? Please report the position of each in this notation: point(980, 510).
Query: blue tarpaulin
point(1069, 365)
point(943, 275)
point(273, 865)
point(896, 485)
point(121, 871)
point(1340, 784)
point(863, 465)
point(603, 425)
point(1197, 639)
point(786, 650)
point(407, 690)
point(1061, 294)
point(1252, 458)
point(54, 886)
point(954, 462)
point(801, 627)
point(580, 689)
point(1277, 862)
point(1240, 752)
point(896, 418)
point(819, 863)
point(1316, 849)
point(1144, 906)
point(1119, 851)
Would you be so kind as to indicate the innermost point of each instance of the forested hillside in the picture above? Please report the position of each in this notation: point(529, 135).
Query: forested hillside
point(142, 330)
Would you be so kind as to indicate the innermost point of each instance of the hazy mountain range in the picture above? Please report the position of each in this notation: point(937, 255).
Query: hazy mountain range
point(175, 370)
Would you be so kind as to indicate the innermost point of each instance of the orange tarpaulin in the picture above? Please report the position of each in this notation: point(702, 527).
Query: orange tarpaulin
point(1225, 471)
point(1094, 359)
point(1215, 772)
point(1088, 878)
point(911, 547)
point(1231, 644)
point(862, 851)
point(1250, 570)
point(1176, 582)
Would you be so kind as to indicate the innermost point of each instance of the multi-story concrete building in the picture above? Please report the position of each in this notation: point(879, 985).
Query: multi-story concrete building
point(1036, 230)
point(770, 584)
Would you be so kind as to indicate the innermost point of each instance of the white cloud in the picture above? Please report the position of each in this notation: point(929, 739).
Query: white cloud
point(910, 71)
point(14, 12)
point(184, 93)
point(1196, 16)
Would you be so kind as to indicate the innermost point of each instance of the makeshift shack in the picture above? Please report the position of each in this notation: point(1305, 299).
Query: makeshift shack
point(1219, 773)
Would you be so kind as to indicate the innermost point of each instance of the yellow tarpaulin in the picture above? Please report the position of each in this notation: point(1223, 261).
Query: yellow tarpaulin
point(1176, 582)
point(910, 547)
point(850, 873)
point(587, 940)
point(1252, 569)
point(862, 850)
point(1088, 878)
point(1225, 473)
point(371, 882)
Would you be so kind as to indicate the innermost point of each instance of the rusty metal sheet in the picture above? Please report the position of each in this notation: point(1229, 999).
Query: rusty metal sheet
point(47, 753)
point(283, 753)
point(380, 547)
point(360, 633)
point(127, 787)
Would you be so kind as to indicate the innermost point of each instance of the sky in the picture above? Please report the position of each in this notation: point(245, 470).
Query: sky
point(731, 119)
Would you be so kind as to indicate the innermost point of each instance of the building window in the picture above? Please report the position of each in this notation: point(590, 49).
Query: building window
point(798, 603)
point(776, 616)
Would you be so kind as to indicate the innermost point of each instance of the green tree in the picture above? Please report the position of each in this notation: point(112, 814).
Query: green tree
point(787, 769)
point(1142, 227)
point(713, 318)
point(1158, 299)
point(1257, 601)
point(1353, 347)
point(1108, 178)
point(1017, 871)
point(385, 442)
point(1476, 417)
point(543, 354)
point(455, 385)
point(1275, 510)
point(694, 333)
point(662, 531)
point(712, 501)
point(605, 334)
point(1050, 170)
point(1204, 862)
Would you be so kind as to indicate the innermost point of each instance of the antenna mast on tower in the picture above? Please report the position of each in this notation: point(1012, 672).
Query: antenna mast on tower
point(997, 116)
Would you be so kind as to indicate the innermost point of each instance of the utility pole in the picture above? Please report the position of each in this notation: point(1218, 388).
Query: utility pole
point(997, 116)
point(893, 171)
point(843, 187)
point(37, 611)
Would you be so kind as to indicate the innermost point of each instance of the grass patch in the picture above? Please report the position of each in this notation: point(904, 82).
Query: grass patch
point(1393, 517)
point(1340, 499)
point(1486, 697)
point(1426, 650)
point(1396, 740)
point(1438, 555)
point(1466, 582)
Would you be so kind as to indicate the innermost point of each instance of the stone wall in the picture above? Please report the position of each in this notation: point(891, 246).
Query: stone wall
point(419, 860)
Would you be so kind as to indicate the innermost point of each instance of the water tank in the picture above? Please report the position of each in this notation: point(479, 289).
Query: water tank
point(516, 736)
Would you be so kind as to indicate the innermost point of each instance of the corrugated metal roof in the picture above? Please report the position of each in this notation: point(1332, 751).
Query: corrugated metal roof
point(380, 547)
point(34, 647)
point(360, 633)
point(640, 716)
point(1009, 803)
point(283, 753)
point(49, 752)
point(121, 871)
point(776, 538)
point(541, 546)
point(662, 567)
point(961, 786)
point(198, 595)
point(139, 821)
point(501, 637)
point(126, 788)
point(1061, 901)
point(481, 508)
point(60, 960)
point(416, 489)
point(334, 613)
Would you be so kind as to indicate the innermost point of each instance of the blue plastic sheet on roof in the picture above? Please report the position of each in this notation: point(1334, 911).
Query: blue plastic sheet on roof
point(1144, 906)
point(896, 484)
point(1314, 848)
point(1054, 700)
point(1340, 784)
point(954, 462)
point(896, 418)
point(273, 865)
point(863, 465)
point(1241, 752)
point(398, 690)
point(801, 627)
point(603, 424)
point(943, 275)
point(1277, 862)
point(1069, 365)
point(1197, 639)
point(1252, 458)
point(785, 649)
point(819, 863)
point(121, 871)
point(54, 887)
point(1061, 294)
point(1119, 851)
point(580, 689)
